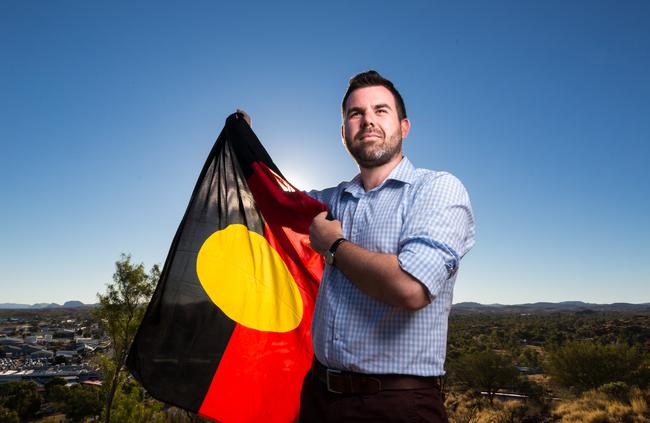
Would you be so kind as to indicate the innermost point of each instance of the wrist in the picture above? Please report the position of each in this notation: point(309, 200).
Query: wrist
point(331, 251)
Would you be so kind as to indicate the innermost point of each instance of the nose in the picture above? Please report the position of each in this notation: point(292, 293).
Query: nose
point(367, 119)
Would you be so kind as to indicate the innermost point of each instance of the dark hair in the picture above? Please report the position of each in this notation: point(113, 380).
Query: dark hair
point(372, 78)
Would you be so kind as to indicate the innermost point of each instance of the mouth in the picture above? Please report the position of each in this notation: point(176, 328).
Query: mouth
point(367, 135)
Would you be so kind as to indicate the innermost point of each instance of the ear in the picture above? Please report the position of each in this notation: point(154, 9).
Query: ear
point(405, 124)
point(342, 132)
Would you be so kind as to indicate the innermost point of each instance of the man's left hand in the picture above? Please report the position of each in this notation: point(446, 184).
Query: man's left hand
point(323, 233)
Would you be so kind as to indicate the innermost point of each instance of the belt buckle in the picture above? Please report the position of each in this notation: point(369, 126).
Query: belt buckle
point(329, 372)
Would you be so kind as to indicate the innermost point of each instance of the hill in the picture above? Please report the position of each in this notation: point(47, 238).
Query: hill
point(572, 306)
point(67, 304)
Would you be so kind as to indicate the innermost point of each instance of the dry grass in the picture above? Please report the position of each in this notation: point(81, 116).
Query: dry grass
point(639, 403)
point(591, 407)
point(468, 407)
point(598, 407)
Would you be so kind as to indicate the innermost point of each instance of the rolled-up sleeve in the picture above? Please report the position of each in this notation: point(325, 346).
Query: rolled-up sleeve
point(438, 231)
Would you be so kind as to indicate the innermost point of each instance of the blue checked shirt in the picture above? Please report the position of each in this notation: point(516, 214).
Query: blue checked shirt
point(423, 217)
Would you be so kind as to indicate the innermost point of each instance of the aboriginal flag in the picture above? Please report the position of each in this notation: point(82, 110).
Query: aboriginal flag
point(227, 333)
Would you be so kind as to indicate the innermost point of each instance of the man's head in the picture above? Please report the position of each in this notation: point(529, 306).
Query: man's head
point(372, 78)
point(374, 120)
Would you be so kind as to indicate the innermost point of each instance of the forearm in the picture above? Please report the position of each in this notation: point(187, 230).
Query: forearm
point(379, 276)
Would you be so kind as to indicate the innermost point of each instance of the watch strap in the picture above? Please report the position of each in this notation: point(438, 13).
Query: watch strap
point(335, 245)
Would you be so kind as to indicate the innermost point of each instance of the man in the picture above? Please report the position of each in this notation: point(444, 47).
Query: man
point(392, 252)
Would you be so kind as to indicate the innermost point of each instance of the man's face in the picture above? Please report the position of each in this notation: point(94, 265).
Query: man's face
point(372, 130)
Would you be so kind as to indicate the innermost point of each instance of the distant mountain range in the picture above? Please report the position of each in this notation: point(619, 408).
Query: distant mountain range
point(460, 307)
point(545, 306)
point(67, 304)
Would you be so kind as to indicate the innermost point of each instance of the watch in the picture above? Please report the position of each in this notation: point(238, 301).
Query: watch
point(329, 254)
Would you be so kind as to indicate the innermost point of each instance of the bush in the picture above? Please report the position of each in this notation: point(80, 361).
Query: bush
point(583, 366)
point(615, 390)
point(484, 371)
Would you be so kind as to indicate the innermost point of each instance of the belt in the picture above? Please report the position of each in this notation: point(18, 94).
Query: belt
point(340, 382)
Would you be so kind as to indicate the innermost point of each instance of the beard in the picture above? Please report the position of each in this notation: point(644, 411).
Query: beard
point(375, 153)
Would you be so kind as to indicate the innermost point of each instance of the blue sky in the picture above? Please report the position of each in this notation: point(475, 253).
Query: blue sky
point(542, 109)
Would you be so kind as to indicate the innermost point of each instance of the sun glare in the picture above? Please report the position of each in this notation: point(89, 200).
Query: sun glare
point(298, 179)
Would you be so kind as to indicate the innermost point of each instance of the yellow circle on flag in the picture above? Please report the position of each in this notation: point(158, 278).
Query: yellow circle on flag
point(248, 280)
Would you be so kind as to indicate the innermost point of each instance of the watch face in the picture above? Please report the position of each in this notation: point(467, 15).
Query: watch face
point(329, 258)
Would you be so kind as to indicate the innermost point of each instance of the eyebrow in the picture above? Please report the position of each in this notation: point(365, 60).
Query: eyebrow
point(374, 107)
point(354, 109)
point(381, 106)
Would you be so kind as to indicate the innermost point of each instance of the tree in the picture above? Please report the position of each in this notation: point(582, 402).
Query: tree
point(81, 402)
point(485, 370)
point(20, 397)
point(530, 358)
point(56, 393)
point(130, 407)
point(585, 365)
point(120, 310)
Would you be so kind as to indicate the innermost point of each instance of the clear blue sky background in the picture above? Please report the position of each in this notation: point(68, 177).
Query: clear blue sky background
point(542, 109)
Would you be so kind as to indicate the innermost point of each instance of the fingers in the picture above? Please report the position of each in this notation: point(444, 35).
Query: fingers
point(317, 232)
point(323, 232)
point(246, 117)
point(321, 216)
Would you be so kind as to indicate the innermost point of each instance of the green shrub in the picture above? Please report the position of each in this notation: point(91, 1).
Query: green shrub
point(584, 365)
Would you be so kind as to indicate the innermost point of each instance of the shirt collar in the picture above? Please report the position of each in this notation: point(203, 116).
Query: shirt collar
point(404, 172)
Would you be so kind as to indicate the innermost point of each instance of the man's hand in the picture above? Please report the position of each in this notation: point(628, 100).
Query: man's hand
point(246, 117)
point(323, 233)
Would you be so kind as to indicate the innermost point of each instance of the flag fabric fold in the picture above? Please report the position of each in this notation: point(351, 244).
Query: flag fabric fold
point(227, 333)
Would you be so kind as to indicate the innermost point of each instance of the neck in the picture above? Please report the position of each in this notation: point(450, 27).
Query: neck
point(372, 177)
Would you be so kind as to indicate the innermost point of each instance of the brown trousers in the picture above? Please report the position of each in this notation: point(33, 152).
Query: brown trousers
point(318, 405)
